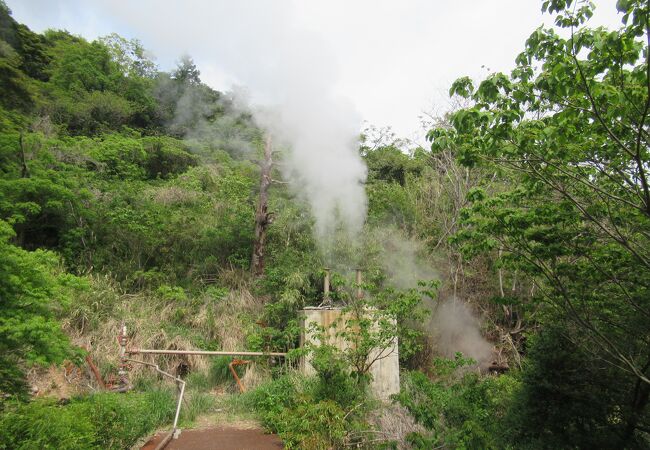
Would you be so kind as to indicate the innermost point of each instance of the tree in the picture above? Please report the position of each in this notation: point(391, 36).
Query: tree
point(29, 45)
point(569, 128)
point(130, 55)
point(187, 72)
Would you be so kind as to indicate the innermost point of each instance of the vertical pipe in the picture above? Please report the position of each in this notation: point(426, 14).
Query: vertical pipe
point(122, 372)
point(178, 406)
point(179, 382)
point(326, 284)
point(359, 281)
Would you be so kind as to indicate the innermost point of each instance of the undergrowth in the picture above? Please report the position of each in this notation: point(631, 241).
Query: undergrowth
point(461, 409)
point(303, 414)
point(99, 421)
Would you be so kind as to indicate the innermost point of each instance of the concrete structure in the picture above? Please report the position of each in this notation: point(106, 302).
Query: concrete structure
point(384, 371)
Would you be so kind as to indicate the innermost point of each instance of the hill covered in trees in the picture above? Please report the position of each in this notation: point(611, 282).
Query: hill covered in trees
point(511, 254)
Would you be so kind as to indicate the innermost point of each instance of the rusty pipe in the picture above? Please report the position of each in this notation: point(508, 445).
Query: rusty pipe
point(231, 366)
point(95, 371)
point(165, 441)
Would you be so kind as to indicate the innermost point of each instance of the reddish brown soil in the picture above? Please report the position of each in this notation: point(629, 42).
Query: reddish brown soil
point(222, 438)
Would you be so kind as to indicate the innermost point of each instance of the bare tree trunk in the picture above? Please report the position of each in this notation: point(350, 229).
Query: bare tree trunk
point(262, 217)
point(24, 173)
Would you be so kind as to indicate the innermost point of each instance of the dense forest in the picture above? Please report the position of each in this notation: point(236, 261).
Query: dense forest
point(509, 257)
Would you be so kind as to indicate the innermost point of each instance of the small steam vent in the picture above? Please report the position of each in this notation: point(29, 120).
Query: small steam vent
point(333, 319)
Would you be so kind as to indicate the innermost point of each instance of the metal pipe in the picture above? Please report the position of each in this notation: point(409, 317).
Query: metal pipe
point(95, 371)
point(326, 284)
point(359, 280)
point(122, 372)
point(165, 441)
point(200, 352)
point(179, 381)
point(231, 366)
point(178, 407)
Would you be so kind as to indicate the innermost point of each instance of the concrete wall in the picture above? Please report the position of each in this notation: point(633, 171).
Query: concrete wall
point(384, 371)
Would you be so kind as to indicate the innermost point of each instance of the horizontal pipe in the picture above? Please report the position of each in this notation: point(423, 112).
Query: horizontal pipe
point(201, 352)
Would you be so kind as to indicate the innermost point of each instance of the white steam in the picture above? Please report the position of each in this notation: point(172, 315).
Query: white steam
point(455, 329)
point(290, 72)
point(324, 165)
point(452, 327)
point(404, 259)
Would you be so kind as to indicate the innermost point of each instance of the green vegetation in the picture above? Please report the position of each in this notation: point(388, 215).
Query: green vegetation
point(129, 194)
point(33, 288)
point(463, 411)
point(97, 421)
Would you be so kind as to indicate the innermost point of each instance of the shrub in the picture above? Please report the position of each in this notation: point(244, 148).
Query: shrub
point(335, 381)
point(320, 412)
point(122, 157)
point(47, 425)
point(166, 156)
point(319, 426)
point(570, 399)
point(288, 406)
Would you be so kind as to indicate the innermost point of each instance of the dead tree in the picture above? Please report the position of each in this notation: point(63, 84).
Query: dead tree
point(263, 218)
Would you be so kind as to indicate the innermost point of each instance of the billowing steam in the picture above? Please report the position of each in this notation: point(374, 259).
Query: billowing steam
point(452, 327)
point(403, 259)
point(455, 329)
point(288, 71)
point(324, 165)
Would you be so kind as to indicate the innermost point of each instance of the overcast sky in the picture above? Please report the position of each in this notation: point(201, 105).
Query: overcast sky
point(391, 60)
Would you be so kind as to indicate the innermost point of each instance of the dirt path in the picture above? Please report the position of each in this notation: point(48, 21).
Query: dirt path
point(223, 438)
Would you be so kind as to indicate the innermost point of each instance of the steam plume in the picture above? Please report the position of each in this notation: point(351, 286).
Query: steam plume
point(455, 329)
point(452, 326)
point(288, 71)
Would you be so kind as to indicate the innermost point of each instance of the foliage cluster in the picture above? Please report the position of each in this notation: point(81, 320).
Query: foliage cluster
point(312, 413)
point(568, 130)
point(33, 289)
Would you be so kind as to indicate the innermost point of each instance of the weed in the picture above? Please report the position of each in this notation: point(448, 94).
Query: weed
point(197, 403)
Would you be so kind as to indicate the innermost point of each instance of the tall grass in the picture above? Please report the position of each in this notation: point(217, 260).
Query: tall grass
point(99, 421)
